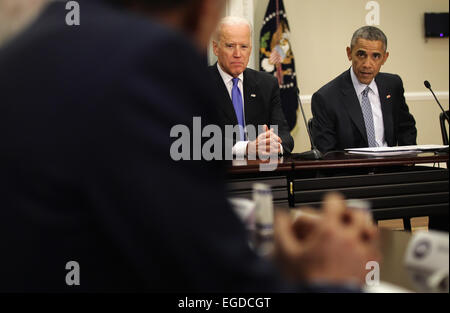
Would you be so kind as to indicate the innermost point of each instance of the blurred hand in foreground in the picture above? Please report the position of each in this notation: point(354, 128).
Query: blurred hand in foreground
point(333, 247)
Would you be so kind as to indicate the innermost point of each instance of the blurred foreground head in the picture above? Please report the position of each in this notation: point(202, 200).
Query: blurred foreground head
point(16, 14)
point(197, 18)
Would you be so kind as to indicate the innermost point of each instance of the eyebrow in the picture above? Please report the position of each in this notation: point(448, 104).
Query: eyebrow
point(236, 44)
point(365, 52)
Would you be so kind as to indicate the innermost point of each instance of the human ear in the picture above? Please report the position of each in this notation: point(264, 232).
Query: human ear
point(349, 53)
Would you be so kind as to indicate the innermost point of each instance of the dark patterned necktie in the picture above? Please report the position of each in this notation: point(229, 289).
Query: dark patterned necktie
point(368, 117)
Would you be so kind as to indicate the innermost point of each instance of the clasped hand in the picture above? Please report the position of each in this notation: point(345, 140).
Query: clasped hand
point(267, 144)
point(333, 247)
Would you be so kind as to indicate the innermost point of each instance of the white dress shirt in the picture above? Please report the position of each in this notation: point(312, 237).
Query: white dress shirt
point(375, 103)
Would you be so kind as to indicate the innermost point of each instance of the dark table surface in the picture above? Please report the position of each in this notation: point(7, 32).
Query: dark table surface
point(338, 160)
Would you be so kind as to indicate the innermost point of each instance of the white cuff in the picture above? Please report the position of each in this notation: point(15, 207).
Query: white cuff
point(240, 149)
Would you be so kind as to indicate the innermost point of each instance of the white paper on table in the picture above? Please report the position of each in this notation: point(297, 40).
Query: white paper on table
point(389, 151)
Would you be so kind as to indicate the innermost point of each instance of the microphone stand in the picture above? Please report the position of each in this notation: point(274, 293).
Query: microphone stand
point(313, 154)
point(428, 86)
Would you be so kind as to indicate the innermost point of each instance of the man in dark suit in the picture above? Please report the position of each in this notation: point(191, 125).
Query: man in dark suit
point(91, 199)
point(363, 107)
point(248, 98)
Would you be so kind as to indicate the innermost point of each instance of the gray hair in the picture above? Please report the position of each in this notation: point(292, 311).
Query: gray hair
point(231, 21)
point(369, 33)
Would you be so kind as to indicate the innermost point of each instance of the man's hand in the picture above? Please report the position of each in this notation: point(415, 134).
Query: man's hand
point(333, 247)
point(267, 143)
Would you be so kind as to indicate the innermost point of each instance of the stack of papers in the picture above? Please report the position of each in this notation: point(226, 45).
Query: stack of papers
point(389, 151)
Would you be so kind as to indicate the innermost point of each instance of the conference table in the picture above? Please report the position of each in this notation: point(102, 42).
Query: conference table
point(400, 186)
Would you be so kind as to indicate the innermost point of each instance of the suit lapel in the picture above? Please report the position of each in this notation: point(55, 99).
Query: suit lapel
point(386, 108)
point(250, 96)
point(352, 104)
point(225, 104)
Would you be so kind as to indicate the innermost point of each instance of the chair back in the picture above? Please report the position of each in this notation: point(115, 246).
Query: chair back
point(443, 121)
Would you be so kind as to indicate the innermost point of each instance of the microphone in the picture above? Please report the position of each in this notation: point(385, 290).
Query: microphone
point(313, 154)
point(428, 86)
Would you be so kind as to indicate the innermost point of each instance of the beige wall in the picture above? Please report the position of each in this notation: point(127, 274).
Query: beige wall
point(321, 29)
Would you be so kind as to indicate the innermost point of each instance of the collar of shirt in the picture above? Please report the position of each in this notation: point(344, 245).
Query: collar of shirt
point(228, 80)
point(359, 88)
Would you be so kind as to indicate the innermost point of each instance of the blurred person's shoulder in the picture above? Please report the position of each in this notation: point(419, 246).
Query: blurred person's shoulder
point(103, 29)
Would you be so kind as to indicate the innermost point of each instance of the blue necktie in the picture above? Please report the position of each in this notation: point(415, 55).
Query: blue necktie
point(236, 97)
point(368, 117)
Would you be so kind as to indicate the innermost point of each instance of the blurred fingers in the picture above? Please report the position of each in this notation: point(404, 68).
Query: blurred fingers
point(305, 225)
point(285, 238)
point(334, 208)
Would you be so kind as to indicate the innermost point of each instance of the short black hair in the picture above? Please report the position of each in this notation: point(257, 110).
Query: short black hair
point(369, 33)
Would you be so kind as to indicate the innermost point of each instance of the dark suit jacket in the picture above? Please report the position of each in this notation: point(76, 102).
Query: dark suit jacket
point(338, 122)
point(264, 109)
point(85, 169)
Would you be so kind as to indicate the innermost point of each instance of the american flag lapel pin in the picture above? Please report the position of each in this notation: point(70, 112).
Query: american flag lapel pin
point(388, 97)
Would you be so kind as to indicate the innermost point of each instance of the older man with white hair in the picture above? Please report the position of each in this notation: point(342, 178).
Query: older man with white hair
point(247, 97)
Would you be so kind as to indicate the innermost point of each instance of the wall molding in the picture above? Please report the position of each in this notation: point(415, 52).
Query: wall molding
point(410, 96)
